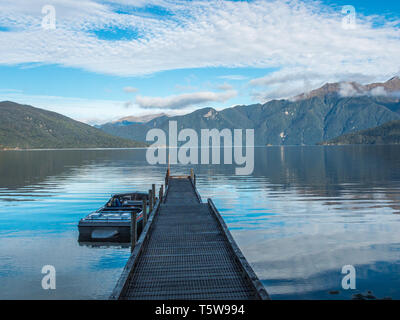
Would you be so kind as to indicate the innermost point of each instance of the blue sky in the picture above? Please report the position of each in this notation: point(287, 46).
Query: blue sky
point(108, 59)
point(370, 7)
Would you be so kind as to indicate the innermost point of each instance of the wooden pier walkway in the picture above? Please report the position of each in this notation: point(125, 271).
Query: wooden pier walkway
point(186, 252)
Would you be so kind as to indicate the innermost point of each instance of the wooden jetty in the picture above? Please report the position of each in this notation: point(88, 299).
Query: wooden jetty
point(186, 252)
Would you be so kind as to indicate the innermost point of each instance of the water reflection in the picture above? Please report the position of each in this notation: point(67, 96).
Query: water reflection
point(303, 214)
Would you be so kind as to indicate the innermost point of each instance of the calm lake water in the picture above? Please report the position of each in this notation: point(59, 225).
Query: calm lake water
point(303, 214)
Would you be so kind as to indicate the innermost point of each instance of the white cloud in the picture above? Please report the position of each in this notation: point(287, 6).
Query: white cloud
point(378, 91)
point(184, 100)
point(303, 40)
point(281, 34)
point(349, 89)
point(128, 104)
point(130, 89)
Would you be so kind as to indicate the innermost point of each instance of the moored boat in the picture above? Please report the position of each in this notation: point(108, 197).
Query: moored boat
point(112, 221)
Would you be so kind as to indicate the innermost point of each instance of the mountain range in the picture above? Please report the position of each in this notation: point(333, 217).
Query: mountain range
point(23, 127)
point(328, 115)
point(138, 119)
point(308, 119)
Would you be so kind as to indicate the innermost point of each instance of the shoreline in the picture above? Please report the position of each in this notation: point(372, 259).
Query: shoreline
point(69, 149)
point(166, 147)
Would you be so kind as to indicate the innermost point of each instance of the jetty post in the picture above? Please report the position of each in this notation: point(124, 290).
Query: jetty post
point(153, 192)
point(193, 177)
point(150, 201)
point(161, 192)
point(133, 230)
point(168, 172)
point(144, 209)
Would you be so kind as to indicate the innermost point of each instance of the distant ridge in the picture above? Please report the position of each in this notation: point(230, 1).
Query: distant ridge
point(27, 127)
point(139, 119)
point(388, 133)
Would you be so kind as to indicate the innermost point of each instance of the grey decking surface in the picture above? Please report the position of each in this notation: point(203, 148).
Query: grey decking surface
point(187, 254)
